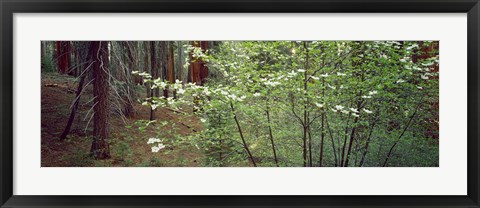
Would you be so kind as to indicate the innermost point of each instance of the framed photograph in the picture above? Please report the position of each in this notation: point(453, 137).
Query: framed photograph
point(269, 103)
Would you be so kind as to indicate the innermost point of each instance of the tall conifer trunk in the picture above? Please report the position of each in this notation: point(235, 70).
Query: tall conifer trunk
point(99, 56)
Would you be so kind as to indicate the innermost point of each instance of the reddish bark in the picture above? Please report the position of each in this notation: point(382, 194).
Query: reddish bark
point(99, 56)
point(63, 56)
point(198, 71)
point(171, 68)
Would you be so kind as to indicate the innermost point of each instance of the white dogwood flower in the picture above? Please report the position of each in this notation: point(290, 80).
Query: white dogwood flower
point(324, 75)
point(153, 140)
point(339, 107)
point(319, 105)
point(155, 149)
point(367, 111)
point(273, 84)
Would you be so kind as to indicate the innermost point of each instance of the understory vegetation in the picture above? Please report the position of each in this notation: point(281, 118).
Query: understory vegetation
point(240, 103)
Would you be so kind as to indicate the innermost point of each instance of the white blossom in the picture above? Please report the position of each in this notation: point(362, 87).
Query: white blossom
point(354, 110)
point(341, 74)
point(181, 91)
point(292, 74)
point(319, 105)
point(417, 68)
point(206, 91)
point(301, 70)
point(273, 84)
point(339, 107)
point(366, 96)
point(400, 81)
point(158, 147)
point(162, 85)
point(367, 111)
point(256, 94)
point(153, 140)
point(155, 149)
point(372, 92)
point(324, 75)
point(241, 98)
point(412, 47)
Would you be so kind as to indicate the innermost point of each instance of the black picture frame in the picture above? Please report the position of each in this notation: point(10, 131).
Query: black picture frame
point(9, 7)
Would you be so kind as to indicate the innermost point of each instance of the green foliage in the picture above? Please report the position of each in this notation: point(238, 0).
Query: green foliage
point(370, 101)
point(47, 64)
point(122, 149)
point(79, 158)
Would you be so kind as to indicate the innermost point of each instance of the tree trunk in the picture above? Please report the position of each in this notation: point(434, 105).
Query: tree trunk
point(333, 142)
point(154, 73)
point(132, 94)
point(63, 56)
point(344, 143)
point(305, 112)
point(74, 108)
point(204, 68)
point(403, 132)
point(367, 143)
point(350, 144)
point(241, 135)
point(163, 60)
point(147, 69)
point(198, 71)
point(43, 49)
point(180, 61)
point(99, 56)
point(322, 136)
point(271, 134)
point(171, 68)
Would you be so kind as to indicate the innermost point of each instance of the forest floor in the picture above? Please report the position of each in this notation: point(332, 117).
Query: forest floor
point(128, 145)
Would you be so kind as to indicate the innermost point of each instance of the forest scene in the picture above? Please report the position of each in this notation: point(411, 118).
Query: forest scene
point(199, 103)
